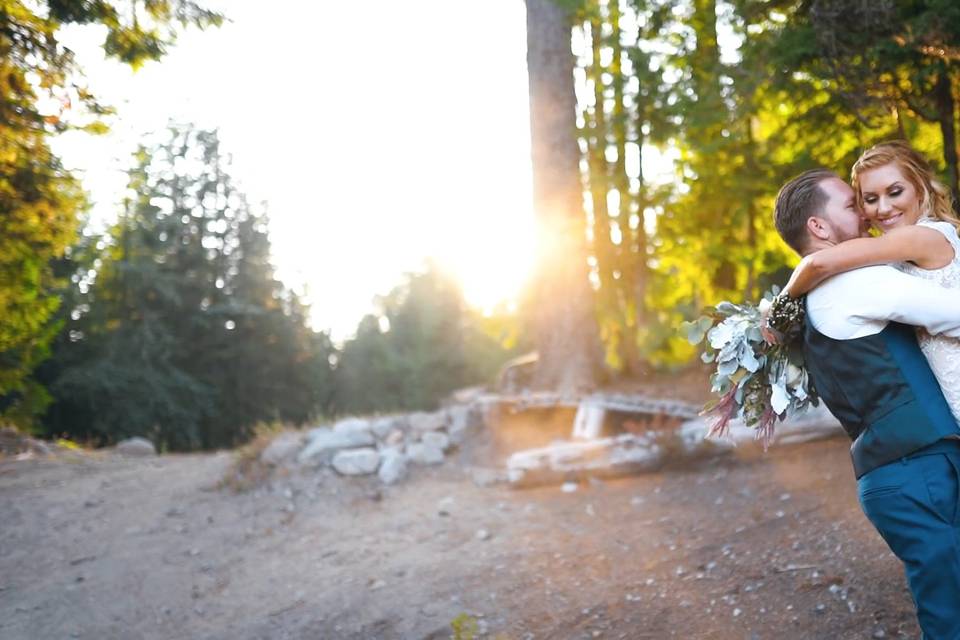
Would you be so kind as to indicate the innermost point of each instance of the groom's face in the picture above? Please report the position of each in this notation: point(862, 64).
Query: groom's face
point(840, 211)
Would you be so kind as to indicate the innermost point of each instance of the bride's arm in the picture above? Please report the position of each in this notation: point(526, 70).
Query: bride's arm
point(925, 247)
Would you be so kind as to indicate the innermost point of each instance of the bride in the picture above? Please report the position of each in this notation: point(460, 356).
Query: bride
point(896, 190)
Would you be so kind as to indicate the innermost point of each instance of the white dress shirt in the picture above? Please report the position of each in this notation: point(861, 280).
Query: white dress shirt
point(861, 302)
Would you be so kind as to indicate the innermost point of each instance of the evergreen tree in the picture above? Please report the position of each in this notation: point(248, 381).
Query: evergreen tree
point(40, 201)
point(185, 336)
point(423, 343)
point(885, 63)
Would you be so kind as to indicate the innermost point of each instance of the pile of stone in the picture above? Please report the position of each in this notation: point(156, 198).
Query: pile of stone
point(383, 445)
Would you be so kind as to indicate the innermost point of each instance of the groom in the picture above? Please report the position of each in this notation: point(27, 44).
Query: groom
point(864, 360)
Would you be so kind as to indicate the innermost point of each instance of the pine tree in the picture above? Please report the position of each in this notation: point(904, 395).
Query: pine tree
point(423, 343)
point(886, 63)
point(566, 331)
point(185, 336)
point(40, 202)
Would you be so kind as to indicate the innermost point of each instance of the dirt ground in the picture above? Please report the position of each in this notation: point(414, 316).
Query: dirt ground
point(748, 546)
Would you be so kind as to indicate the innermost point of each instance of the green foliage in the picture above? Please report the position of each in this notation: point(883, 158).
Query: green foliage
point(890, 65)
point(39, 200)
point(795, 85)
point(623, 114)
point(464, 627)
point(136, 31)
point(184, 335)
point(422, 344)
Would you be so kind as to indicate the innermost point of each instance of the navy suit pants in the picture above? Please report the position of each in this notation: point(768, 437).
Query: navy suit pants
point(914, 503)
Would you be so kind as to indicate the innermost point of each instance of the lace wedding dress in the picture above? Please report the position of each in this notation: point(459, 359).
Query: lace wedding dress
point(942, 352)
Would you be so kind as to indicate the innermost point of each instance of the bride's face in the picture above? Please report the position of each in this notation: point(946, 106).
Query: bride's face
point(889, 199)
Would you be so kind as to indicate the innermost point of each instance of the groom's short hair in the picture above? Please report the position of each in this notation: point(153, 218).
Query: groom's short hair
point(798, 200)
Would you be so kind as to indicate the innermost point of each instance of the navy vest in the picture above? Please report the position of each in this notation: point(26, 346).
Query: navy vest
point(882, 391)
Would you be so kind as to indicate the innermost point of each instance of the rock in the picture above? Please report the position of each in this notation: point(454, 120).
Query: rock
point(354, 427)
point(394, 438)
point(136, 447)
point(485, 477)
point(463, 419)
point(281, 449)
point(385, 426)
point(421, 422)
point(393, 466)
point(437, 439)
point(483, 534)
point(445, 506)
point(356, 462)
point(424, 453)
point(323, 443)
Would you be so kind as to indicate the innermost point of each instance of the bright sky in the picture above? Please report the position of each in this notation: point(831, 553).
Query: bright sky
point(379, 135)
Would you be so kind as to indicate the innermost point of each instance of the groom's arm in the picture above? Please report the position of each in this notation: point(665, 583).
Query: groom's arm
point(884, 293)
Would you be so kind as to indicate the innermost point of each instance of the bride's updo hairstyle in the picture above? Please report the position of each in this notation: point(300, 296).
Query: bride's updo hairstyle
point(935, 199)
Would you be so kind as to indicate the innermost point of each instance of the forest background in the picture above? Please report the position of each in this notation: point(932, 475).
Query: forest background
point(172, 324)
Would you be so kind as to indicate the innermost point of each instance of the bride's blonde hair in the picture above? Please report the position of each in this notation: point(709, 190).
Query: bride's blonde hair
point(935, 199)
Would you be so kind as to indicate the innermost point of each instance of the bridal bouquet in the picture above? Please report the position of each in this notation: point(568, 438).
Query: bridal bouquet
point(756, 380)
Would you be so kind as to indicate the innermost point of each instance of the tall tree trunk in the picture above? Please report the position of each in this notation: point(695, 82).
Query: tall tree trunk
point(603, 248)
point(567, 340)
point(598, 181)
point(750, 161)
point(633, 307)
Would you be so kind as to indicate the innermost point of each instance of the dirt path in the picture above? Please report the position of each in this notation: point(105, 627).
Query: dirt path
point(749, 547)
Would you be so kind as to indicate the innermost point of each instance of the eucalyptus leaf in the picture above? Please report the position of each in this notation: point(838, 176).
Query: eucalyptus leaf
point(721, 334)
point(727, 308)
point(693, 332)
point(728, 367)
point(779, 398)
point(746, 357)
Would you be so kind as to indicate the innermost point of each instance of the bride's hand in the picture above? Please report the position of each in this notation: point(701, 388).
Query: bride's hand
point(769, 335)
